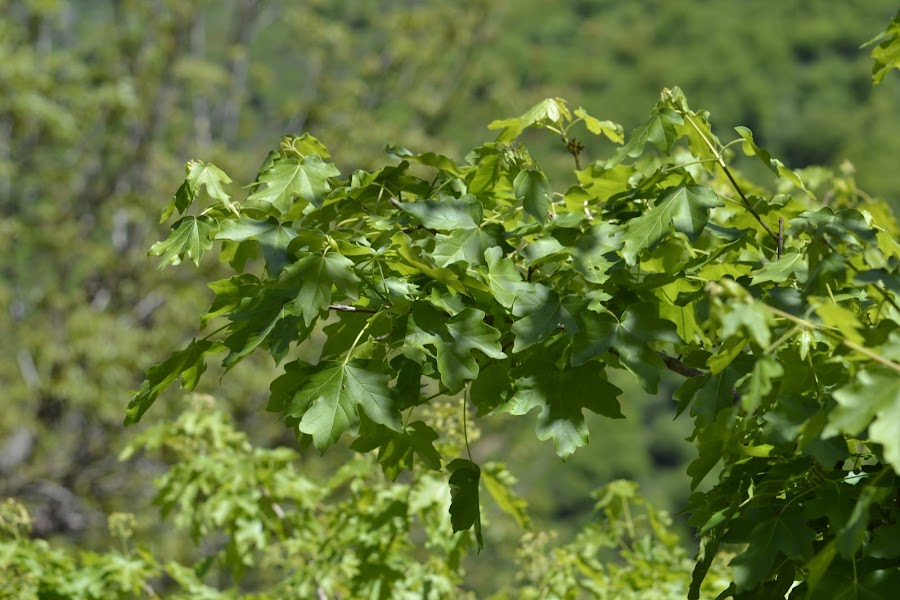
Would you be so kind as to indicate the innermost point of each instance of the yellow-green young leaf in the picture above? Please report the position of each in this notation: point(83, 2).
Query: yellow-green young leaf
point(189, 236)
point(465, 508)
point(551, 111)
point(835, 315)
point(773, 164)
point(613, 131)
point(211, 177)
point(499, 483)
point(779, 270)
point(887, 53)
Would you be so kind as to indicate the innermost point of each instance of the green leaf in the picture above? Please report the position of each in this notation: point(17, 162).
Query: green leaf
point(758, 386)
point(499, 483)
point(780, 270)
point(613, 131)
point(707, 552)
point(773, 164)
point(872, 400)
point(211, 177)
point(551, 315)
point(659, 130)
point(785, 532)
point(313, 277)
point(397, 450)
point(507, 285)
point(190, 236)
point(454, 340)
point(199, 174)
point(328, 397)
point(533, 189)
point(749, 317)
point(839, 317)
point(561, 396)
point(289, 178)
point(189, 364)
point(464, 245)
point(686, 208)
point(447, 214)
point(270, 234)
point(546, 113)
point(629, 336)
point(886, 54)
point(438, 161)
point(850, 537)
point(465, 509)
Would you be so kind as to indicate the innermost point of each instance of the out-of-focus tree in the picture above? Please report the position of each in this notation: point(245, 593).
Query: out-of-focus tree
point(100, 105)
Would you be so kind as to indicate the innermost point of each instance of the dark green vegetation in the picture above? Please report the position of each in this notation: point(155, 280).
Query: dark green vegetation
point(474, 276)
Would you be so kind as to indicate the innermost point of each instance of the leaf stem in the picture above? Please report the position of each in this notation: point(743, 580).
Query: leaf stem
point(728, 174)
point(835, 336)
point(464, 420)
point(356, 341)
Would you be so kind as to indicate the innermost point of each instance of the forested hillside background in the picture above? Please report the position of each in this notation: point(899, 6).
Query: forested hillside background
point(102, 103)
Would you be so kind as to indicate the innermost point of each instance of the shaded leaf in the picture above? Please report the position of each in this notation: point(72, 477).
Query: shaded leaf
point(465, 509)
point(562, 395)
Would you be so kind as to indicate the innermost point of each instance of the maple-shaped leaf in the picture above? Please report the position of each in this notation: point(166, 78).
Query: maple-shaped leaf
point(777, 532)
point(438, 161)
point(773, 164)
point(659, 130)
point(547, 112)
point(686, 208)
point(269, 233)
point(328, 398)
point(288, 178)
point(188, 364)
point(629, 337)
point(199, 174)
point(872, 400)
point(190, 236)
point(780, 270)
point(886, 54)
point(533, 189)
point(397, 450)
point(561, 396)
point(464, 245)
point(313, 276)
point(546, 318)
point(454, 340)
point(448, 213)
point(613, 131)
point(508, 287)
point(465, 507)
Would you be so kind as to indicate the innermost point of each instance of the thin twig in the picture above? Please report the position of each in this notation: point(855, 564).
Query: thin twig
point(835, 336)
point(780, 238)
point(676, 366)
point(728, 174)
point(346, 308)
